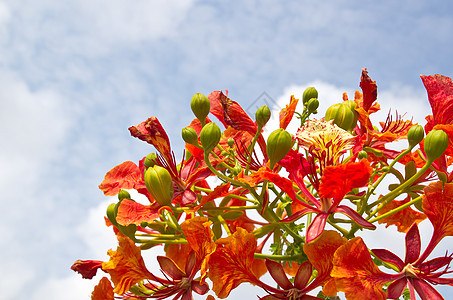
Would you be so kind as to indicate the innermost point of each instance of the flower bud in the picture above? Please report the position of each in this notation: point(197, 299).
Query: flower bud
point(210, 136)
point(309, 93)
point(312, 105)
point(150, 160)
point(436, 142)
point(200, 107)
point(230, 142)
point(263, 114)
point(159, 184)
point(362, 154)
point(190, 136)
point(342, 116)
point(123, 194)
point(279, 143)
point(415, 135)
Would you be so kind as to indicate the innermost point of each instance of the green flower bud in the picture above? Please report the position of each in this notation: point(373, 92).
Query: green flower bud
point(123, 194)
point(210, 136)
point(263, 114)
point(111, 213)
point(279, 143)
point(309, 93)
point(312, 105)
point(150, 160)
point(190, 136)
point(159, 184)
point(415, 135)
point(342, 116)
point(230, 142)
point(436, 142)
point(362, 154)
point(200, 107)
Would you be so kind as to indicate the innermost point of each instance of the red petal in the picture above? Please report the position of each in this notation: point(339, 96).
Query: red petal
point(396, 288)
point(87, 268)
point(152, 132)
point(303, 275)
point(277, 272)
point(354, 216)
point(124, 176)
point(170, 268)
point(369, 89)
point(287, 113)
point(389, 257)
point(425, 290)
point(316, 227)
point(131, 212)
point(341, 179)
point(413, 245)
point(440, 96)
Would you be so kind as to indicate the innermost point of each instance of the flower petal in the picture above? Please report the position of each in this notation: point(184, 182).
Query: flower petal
point(170, 268)
point(287, 113)
point(124, 176)
point(231, 263)
point(396, 288)
point(341, 179)
point(403, 219)
point(425, 290)
point(103, 290)
point(356, 274)
point(276, 271)
point(413, 245)
point(369, 89)
point(316, 227)
point(131, 212)
point(389, 257)
point(87, 268)
point(440, 96)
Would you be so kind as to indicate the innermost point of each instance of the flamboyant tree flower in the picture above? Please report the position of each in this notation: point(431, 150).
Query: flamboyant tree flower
point(103, 290)
point(356, 274)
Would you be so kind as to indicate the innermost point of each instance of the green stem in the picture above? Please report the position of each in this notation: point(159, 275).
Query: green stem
point(251, 147)
point(399, 208)
point(279, 257)
point(384, 200)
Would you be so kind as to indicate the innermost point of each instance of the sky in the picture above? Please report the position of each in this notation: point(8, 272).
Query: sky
point(74, 75)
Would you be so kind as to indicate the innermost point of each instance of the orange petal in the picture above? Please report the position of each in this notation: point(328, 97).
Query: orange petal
point(403, 219)
point(356, 274)
point(103, 290)
point(199, 236)
point(178, 253)
point(231, 263)
point(124, 176)
point(320, 253)
point(87, 268)
point(131, 212)
point(126, 266)
point(287, 113)
point(438, 207)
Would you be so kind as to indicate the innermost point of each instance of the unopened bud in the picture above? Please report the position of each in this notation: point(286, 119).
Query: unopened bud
point(190, 136)
point(279, 143)
point(362, 154)
point(309, 93)
point(436, 142)
point(150, 160)
point(342, 115)
point(263, 114)
point(230, 142)
point(159, 184)
point(200, 107)
point(415, 135)
point(312, 105)
point(123, 194)
point(210, 136)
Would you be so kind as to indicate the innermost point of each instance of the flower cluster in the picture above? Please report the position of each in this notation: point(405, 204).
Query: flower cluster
point(238, 206)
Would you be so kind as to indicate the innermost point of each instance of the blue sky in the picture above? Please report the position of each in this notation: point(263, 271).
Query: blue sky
point(74, 75)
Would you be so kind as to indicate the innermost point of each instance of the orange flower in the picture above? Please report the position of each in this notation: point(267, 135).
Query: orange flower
point(103, 290)
point(231, 263)
point(126, 266)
